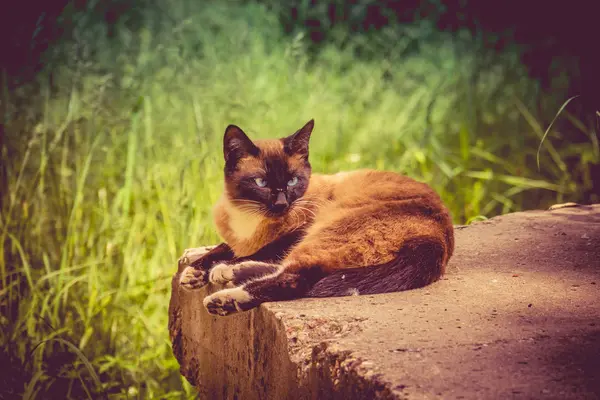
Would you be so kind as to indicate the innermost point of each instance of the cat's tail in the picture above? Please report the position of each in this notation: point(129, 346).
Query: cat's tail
point(418, 263)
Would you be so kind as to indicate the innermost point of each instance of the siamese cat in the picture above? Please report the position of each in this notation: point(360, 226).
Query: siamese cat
point(288, 233)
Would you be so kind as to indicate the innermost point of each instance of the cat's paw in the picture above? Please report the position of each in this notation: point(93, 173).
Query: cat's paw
point(229, 301)
point(232, 275)
point(192, 278)
point(221, 274)
point(194, 254)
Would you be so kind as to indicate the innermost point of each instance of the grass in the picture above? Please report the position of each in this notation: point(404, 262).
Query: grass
point(113, 166)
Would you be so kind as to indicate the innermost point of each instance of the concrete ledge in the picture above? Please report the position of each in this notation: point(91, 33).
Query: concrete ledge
point(516, 316)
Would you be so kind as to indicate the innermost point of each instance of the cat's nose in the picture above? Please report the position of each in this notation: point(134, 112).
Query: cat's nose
point(281, 203)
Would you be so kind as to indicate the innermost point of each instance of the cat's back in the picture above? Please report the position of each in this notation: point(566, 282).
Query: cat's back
point(384, 201)
point(374, 185)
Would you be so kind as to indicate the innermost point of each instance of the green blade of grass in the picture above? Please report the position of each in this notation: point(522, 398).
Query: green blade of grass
point(537, 156)
point(80, 356)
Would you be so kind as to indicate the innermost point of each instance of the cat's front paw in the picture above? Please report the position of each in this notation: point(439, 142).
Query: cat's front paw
point(192, 278)
point(221, 274)
point(229, 301)
point(191, 255)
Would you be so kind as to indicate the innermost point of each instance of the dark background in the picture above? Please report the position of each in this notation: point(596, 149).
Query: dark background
point(554, 37)
point(551, 31)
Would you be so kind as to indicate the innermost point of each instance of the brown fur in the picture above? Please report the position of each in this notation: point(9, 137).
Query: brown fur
point(366, 230)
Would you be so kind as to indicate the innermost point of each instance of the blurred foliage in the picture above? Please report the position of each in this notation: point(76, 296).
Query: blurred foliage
point(111, 158)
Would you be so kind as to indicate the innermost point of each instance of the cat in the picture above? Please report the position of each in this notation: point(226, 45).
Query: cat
point(289, 233)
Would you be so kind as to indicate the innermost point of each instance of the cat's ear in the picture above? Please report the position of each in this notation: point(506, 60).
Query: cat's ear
point(298, 142)
point(236, 145)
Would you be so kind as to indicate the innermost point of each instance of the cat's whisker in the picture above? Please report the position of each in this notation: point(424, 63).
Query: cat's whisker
point(248, 208)
point(308, 202)
point(304, 202)
point(314, 215)
point(251, 207)
point(294, 214)
point(241, 202)
point(300, 222)
point(303, 205)
point(306, 211)
point(252, 211)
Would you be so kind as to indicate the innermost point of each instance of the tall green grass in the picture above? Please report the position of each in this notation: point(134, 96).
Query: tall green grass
point(114, 163)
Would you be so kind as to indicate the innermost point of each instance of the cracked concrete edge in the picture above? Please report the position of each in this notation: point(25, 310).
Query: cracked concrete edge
point(335, 373)
point(331, 371)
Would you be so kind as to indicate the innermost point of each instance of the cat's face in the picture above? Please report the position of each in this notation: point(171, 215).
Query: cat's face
point(266, 176)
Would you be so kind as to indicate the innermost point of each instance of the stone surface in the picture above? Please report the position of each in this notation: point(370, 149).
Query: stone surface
point(516, 316)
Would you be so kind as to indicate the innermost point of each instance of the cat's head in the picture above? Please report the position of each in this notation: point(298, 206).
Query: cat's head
point(266, 176)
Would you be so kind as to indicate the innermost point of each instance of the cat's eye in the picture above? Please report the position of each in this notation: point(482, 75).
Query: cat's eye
point(260, 182)
point(293, 181)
